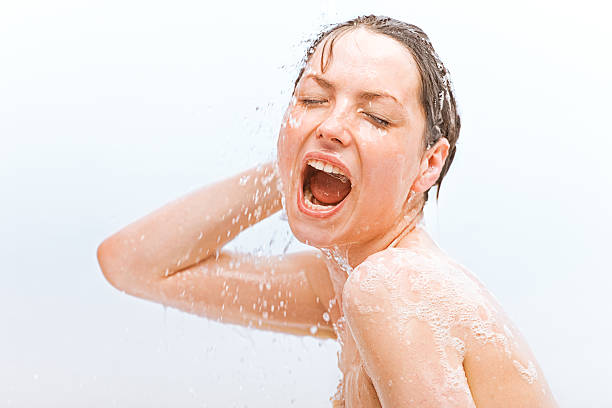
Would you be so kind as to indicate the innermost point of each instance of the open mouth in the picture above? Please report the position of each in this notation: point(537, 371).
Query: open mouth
point(325, 186)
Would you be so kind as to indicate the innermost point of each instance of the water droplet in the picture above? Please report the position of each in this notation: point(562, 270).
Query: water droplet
point(314, 330)
point(326, 316)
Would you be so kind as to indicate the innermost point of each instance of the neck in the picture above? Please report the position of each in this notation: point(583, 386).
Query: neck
point(342, 260)
point(356, 254)
point(346, 257)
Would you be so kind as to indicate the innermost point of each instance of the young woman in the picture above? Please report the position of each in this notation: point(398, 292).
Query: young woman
point(371, 127)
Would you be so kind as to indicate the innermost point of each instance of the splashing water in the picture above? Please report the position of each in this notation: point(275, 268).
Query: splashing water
point(338, 259)
point(244, 180)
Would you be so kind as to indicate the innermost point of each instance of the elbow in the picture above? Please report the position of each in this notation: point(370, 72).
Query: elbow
point(121, 268)
point(111, 264)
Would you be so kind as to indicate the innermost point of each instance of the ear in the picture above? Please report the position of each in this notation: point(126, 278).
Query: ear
point(431, 166)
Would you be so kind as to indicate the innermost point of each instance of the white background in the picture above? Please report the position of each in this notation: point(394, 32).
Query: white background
point(110, 109)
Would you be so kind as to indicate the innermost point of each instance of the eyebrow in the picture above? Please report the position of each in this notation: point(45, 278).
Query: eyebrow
point(366, 95)
point(322, 82)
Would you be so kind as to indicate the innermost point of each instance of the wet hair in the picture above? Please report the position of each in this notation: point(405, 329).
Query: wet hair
point(437, 94)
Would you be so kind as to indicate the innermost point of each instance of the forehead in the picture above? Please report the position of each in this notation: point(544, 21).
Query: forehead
point(365, 59)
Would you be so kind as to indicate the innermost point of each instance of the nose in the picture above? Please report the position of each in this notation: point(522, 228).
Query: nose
point(334, 129)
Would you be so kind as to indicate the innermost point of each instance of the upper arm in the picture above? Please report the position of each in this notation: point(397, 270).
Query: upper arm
point(401, 349)
point(273, 293)
point(505, 370)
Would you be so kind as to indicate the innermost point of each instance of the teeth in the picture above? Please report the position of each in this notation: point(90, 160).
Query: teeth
point(326, 167)
point(316, 164)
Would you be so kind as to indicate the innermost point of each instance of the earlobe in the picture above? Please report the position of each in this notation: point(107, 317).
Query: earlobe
point(431, 166)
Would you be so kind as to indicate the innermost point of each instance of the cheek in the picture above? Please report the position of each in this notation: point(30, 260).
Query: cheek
point(288, 144)
point(288, 147)
point(283, 152)
point(389, 177)
point(371, 137)
point(294, 131)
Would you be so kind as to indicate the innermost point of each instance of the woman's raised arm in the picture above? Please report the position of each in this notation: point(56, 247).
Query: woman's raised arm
point(173, 256)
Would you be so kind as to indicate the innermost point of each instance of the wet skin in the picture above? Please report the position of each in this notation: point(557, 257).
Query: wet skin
point(416, 328)
point(335, 114)
point(479, 359)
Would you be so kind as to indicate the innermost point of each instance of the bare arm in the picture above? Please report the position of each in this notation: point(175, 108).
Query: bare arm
point(434, 351)
point(408, 365)
point(173, 256)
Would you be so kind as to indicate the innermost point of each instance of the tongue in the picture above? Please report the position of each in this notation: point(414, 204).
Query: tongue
point(329, 189)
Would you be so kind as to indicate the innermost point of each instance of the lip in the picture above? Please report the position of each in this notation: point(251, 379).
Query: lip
point(300, 197)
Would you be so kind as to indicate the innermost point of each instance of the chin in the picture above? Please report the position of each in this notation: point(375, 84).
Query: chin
point(311, 232)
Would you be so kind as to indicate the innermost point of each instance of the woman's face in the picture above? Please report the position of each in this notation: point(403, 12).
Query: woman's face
point(350, 146)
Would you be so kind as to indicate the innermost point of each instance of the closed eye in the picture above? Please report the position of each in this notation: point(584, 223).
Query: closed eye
point(311, 101)
point(378, 120)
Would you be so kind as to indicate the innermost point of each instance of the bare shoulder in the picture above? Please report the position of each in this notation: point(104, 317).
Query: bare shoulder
point(425, 286)
point(416, 276)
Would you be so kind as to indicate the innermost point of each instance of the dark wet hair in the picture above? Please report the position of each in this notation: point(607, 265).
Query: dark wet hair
point(437, 95)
